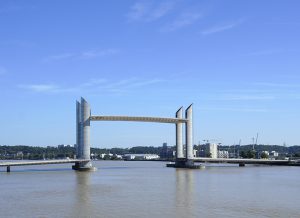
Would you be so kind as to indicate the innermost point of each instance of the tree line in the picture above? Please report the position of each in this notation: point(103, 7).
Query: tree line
point(38, 153)
point(35, 152)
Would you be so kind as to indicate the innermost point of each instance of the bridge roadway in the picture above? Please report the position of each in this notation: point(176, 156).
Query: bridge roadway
point(140, 119)
point(247, 161)
point(40, 162)
point(241, 162)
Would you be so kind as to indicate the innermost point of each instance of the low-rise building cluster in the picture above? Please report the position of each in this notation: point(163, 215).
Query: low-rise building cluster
point(109, 156)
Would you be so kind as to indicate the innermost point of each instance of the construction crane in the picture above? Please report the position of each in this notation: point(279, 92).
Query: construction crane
point(238, 152)
point(256, 139)
point(252, 143)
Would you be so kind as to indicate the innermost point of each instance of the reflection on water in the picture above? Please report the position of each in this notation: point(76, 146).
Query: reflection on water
point(149, 189)
point(184, 193)
point(83, 206)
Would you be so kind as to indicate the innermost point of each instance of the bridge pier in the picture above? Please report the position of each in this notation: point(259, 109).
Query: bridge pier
point(78, 130)
point(8, 169)
point(83, 114)
point(241, 164)
point(189, 136)
point(179, 144)
point(187, 161)
point(183, 163)
point(87, 166)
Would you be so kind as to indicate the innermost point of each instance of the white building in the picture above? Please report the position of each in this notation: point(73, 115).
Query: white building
point(223, 154)
point(195, 152)
point(103, 155)
point(212, 149)
point(129, 156)
point(118, 156)
point(150, 156)
point(141, 156)
point(273, 154)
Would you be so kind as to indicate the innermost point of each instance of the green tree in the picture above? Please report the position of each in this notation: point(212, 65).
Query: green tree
point(250, 154)
point(264, 155)
point(243, 154)
point(297, 155)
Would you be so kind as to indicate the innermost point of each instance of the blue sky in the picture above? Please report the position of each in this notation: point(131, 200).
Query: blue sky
point(236, 61)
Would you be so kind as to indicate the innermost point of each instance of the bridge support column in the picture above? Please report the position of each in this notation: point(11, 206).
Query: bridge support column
point(189, 136)
point(78, 130)
point(83, 114)
point(241, 164)
point(187, 161)
point(179, 144)
point(8, 169)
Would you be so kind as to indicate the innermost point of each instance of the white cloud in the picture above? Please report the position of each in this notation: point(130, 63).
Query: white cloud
point(95, 53)
point(148, 11)
point(138, 10)
point(221, 28)
point(261, 91)
point(94, 86)
point(145, 83)
point(126, 85)
point(81, 55)
point(183, 20)
point(47, 88)
point(59, 57)
point(121, 83)
point(40, 87)
point(161, 10)
point(94, 82)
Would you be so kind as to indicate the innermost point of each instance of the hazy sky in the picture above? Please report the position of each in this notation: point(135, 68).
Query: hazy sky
point(237, 61)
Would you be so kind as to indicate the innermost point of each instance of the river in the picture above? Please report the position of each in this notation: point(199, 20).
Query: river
point(149, 189)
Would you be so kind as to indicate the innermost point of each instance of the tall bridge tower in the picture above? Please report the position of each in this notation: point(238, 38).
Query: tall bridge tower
point(84, 117)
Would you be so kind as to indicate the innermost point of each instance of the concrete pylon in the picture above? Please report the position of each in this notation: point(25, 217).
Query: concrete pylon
point(85, 131)
point(78, 130)
point(188, 160)
point(189, 135)
point(83, 114)
point(179, 144)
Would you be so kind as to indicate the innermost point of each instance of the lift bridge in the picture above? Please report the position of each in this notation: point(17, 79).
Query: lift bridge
point(83, 120)
point(183, 159)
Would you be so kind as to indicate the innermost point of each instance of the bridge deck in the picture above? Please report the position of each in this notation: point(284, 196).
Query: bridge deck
point(246, 161)
point(42, 162)
point(138, 119)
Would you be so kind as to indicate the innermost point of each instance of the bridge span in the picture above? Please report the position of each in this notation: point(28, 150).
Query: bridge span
point(138, 119)
point(41, 162)
point(244, 161)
